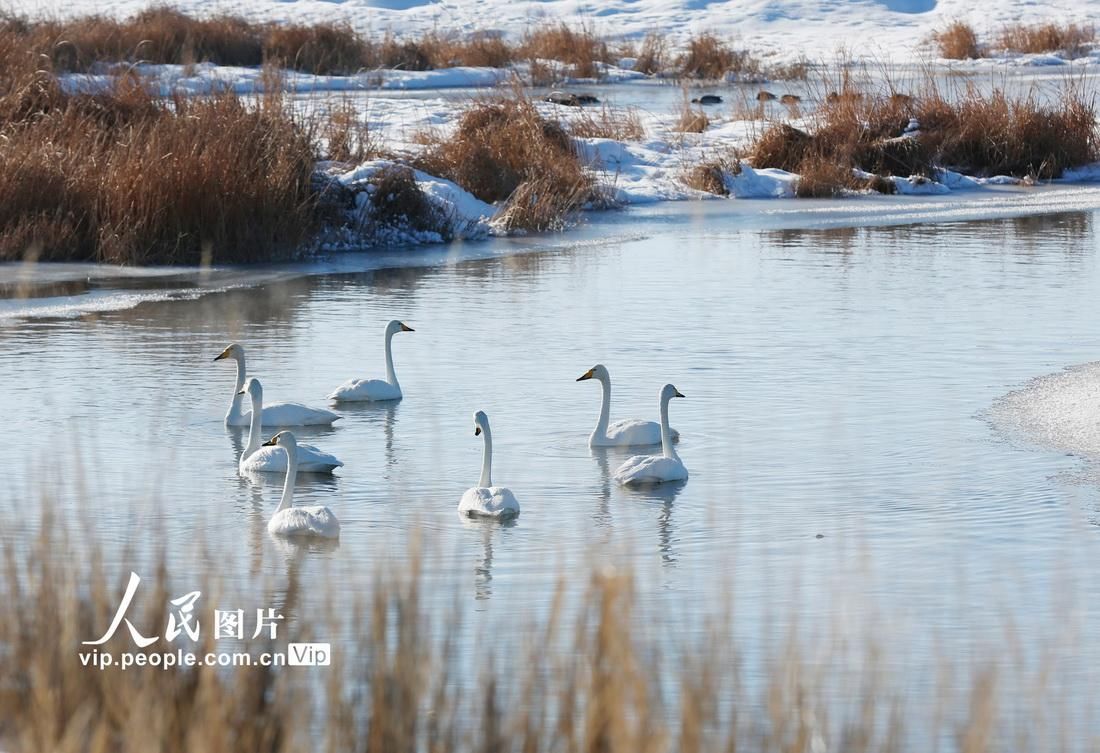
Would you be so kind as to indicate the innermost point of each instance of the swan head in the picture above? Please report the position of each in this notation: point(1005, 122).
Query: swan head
point(395, 326)
point(284, 439)
point(234, 351)
point(668, 392)
point(252, 388)
point(481, 422)
point(599, 371)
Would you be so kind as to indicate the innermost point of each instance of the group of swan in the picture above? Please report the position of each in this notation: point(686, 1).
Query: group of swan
point(284, 454)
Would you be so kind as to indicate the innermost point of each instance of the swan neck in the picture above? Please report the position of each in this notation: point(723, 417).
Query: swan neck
point(291, 474)
point(391, 376)
point(605, 407)
point(238, 398)
point(666, 432)
point(256, 424)
point(487, 460)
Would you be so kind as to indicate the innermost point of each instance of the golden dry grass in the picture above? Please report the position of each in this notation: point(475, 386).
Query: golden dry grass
point(503, 150)
point(957, 41)
point(123, 177)
point(691, 120)
point(653, 57)
point(597, 679)
point(581, 50)
point(608, 123)
point(709, 175)
point(164, 35)
point(968, 130)
point(708, 57)
point(1070, 39)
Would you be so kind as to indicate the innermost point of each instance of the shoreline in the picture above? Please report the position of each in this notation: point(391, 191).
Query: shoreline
point(98, 290)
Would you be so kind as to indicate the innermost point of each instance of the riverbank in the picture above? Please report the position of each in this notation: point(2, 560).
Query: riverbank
point(197, 163)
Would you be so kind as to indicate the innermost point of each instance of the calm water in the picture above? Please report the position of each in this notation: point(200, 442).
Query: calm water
point(845, 461)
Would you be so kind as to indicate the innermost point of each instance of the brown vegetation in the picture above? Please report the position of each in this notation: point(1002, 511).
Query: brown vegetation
point(709, 175)
point(597, 679)
point(505, 151)
point(997, 134)
point(345, 135)
point(122, 177)
point(970, 131)
point(653, 56)
point(608, 123)
point(691, 120)
point(397, 203)
point(708, 57)
point(957, 41)
point(162, 34)
point(165, 35)
point(581, 50)
point(325, 49)
point(1070, 39)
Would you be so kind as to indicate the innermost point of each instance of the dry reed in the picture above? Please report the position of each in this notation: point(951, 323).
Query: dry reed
point(968, 130)
point(122, 177)
point(582, 51)
point(503, 150)
point(957, 41)
point(1070, 39)
point(608, 123)
point(708, 57)
point(598, 679)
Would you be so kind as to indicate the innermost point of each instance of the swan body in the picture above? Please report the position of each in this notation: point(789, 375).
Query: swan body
point(274, 414)
point(270, 458)
point(656, 469)
point(623, 433)
point(486, 500)
point(489, 502)
point(289, 520)
point(374, 390)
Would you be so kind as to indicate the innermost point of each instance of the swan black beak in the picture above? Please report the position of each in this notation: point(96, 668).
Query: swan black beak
point(219, 357)
point(406, 328)
point(585, 375)
point(242, 392)
point(477, 431)
point(271, 442)
point(678, 394)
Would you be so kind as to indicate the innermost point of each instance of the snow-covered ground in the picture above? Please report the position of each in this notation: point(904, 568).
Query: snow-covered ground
point(894, 33)
point(883, 29)
point(636, 172)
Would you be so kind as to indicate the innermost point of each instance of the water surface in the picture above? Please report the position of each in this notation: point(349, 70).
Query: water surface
point(846, 459)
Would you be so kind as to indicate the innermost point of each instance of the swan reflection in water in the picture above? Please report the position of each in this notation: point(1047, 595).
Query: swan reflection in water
point(602, 515)
point(486, 529)
point(662, 497)
point(373, 413)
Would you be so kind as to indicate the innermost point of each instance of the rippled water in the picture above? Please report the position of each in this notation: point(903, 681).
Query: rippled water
point(846, 455)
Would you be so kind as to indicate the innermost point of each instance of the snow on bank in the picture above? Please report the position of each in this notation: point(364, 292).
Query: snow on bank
point(786, 29)
point(642, 171)
point(639, 172)
point(456, 215)
point(207, 78)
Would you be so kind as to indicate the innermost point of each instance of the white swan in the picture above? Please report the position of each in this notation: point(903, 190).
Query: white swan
point(363, 390)
point(624, 433)
point(267, 457)
point(655, 469)
point(289, 520)
point(486, 500)
point(275, 414)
